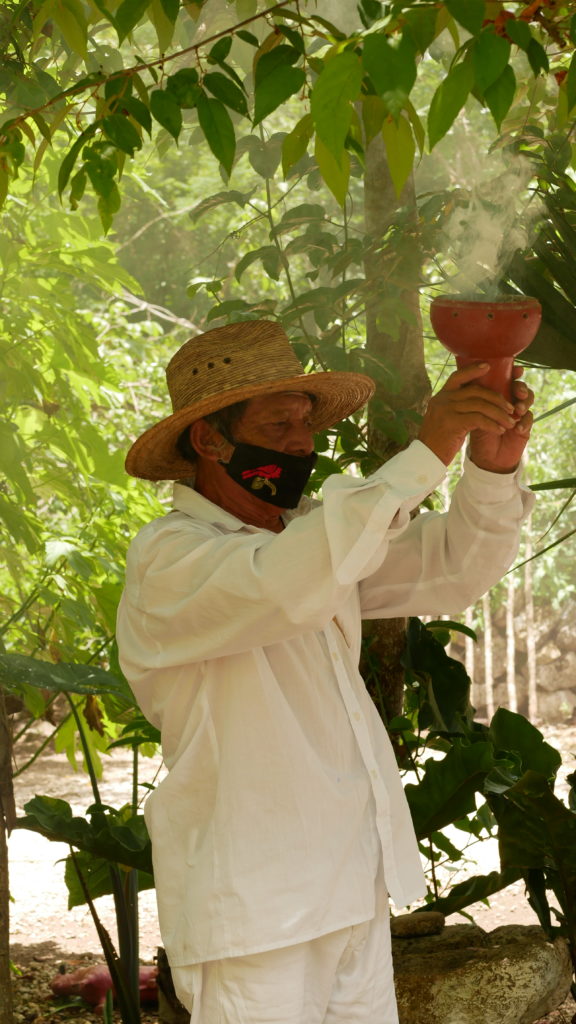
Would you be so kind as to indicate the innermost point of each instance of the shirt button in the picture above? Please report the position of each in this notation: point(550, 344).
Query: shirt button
point(357, 716)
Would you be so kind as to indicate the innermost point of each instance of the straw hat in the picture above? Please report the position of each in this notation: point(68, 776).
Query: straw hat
point(228, 365)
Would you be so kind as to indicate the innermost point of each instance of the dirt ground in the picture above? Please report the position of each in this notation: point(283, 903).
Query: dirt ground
point(44, 933)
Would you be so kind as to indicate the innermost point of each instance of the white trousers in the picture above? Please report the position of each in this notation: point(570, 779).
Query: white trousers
point(344, 977)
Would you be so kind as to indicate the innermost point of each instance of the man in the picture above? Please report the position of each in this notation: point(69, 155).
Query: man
point(282, 826)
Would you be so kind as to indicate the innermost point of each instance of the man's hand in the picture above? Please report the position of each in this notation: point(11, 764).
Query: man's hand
point(498, 430)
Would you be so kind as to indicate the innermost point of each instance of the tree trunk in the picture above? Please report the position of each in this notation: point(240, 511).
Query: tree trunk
point(511, 648)
point(7, 819)
point(530, 628)
point(488, 660)
point(395, 348)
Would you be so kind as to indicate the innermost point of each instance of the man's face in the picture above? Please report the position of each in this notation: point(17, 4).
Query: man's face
point(281, 422)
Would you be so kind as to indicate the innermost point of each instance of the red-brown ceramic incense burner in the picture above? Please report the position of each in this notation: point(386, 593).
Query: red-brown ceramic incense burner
point(480, 330)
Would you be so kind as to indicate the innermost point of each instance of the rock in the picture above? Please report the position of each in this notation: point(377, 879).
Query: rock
point(556, 707)
point(425, 922)
point(511, 975)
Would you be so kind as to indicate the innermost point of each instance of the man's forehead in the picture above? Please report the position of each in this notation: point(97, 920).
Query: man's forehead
point(278, 400)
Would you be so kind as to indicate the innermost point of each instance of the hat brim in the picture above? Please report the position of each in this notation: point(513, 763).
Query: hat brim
point(154, 455)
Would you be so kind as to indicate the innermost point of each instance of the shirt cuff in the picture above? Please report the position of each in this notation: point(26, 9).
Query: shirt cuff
point(489, 486)
point(414, 472)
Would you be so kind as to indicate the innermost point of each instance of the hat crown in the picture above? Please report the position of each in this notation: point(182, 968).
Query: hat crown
point(227, 358)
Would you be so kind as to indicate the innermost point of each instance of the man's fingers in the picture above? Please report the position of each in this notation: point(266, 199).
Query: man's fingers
point(459, 378)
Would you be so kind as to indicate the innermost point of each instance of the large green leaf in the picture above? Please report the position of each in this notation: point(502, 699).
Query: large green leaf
point(61, 677)
point(447, 790)
point(330, 104)
point(469, 13)
point(118, 836)
point(500, 94)
point(275, 80)
point(166, 110)
point(391, 64)
point(448, 100)
point(227, 91)
point(216, 123)
point(472, 890)
point(129, 13)
point(97, 878)
point(490, 55)
point(512, 732)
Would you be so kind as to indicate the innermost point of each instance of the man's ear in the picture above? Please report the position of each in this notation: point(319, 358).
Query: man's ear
point(208, 442)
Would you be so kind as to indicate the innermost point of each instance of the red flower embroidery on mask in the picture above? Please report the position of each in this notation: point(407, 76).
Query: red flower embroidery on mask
point(270, 472)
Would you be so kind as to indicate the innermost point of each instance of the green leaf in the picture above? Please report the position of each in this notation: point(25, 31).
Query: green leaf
point(537, 57)
point(271, 261)
point(391, 65)
point(332, 95)
point(118, 129)
point(129, 13)
point(448, 100)
point(571, 84)
point(62, 677)
point(500, 94)
point(572, 30)
point(512, 732)
point(166, 110)
point(70, 18)
point(97, 878)
point(223, 89)
point(447, 789)
point(183, 85)
point(220, 50)
point(472, 890)
point(295, 144)
point(171, 9)
point(422, 24)
point(139, 111)
point(400, 150)
point(468, 13)
point(218, 130)
point(163, 25)
point(519, 32)
point(490, 56)
point(374, 111)
point(69, 160)
point(336, 173)
point(275, 80)
point(218, 199)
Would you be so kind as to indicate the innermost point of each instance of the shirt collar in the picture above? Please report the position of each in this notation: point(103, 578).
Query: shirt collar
point(186, 499)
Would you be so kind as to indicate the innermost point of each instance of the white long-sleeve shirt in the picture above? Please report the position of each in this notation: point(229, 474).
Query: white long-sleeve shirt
point(242, 646)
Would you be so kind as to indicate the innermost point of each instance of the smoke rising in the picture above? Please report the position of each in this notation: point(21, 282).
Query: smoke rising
point(495, 215)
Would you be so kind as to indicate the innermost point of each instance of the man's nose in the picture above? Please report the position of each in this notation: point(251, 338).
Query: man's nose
point(301, 440)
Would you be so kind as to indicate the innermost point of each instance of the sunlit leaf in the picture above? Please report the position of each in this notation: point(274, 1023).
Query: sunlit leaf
point(400, 150)
point(296, 142)
point(330, 103)
point(448, 100)
point(336, 173)
point(390, 64)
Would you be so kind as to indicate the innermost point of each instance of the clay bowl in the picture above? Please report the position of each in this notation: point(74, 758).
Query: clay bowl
point(482, 330)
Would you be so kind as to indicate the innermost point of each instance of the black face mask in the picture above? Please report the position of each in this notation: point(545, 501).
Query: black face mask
point(275, 477)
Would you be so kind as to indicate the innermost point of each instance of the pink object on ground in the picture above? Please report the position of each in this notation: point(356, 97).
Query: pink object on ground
point(94, 982)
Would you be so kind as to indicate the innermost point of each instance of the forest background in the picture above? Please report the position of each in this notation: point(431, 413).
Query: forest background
point(167, 167)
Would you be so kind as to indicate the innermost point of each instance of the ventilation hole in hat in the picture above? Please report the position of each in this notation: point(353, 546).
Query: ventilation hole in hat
point(210, 366)
point(227, 360)
point(194, 371)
